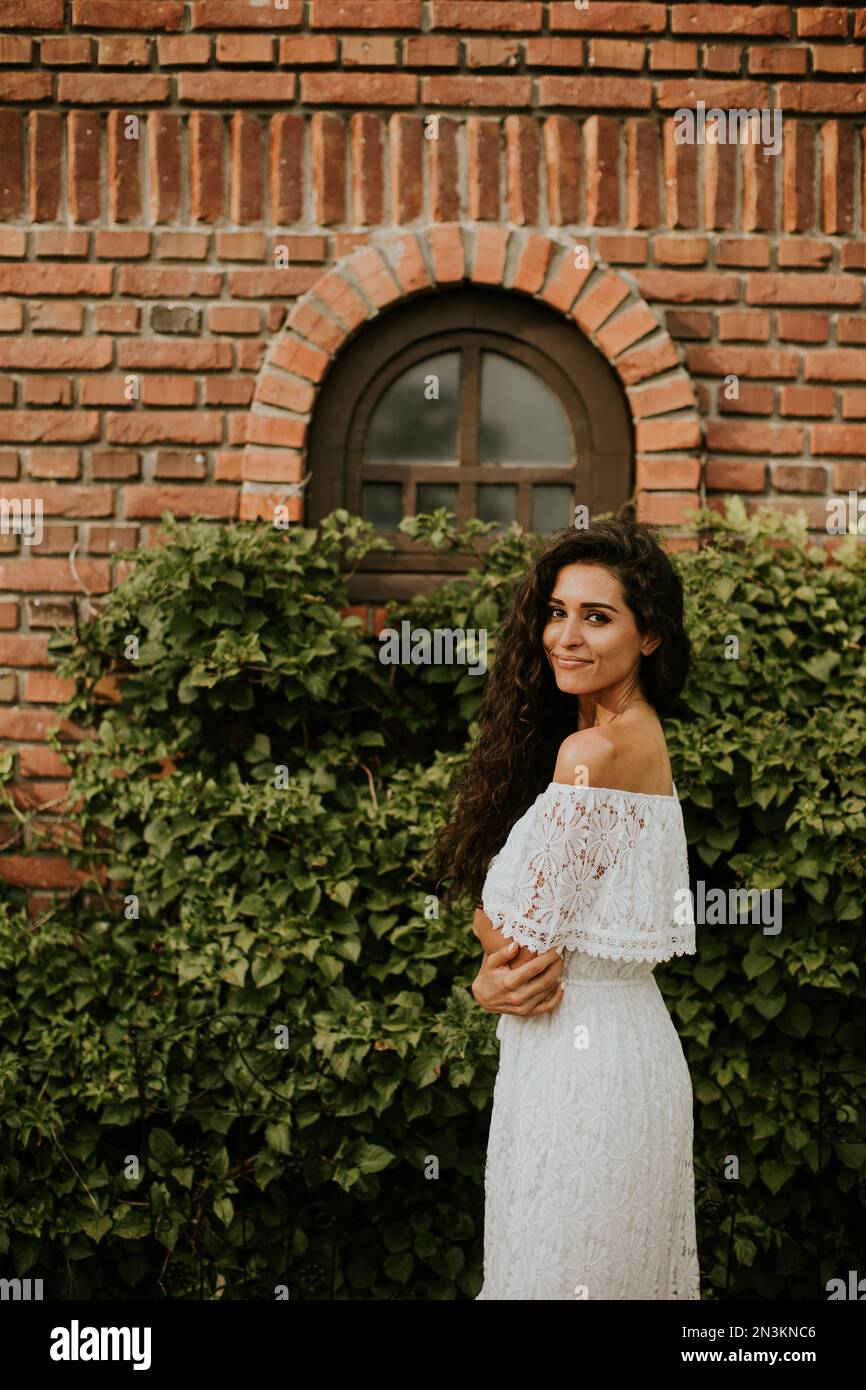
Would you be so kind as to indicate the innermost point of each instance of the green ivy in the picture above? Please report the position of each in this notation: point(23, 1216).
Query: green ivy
point(152, 1128)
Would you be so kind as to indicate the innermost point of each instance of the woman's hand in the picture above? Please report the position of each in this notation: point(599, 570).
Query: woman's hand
point(526, 990)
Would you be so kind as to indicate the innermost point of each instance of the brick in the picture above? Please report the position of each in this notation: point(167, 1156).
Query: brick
point(369, 88)
point(647, 361)
point(720, 182)
point(116, 52)
point(307, 50)
point(124, 173)
point(178, 283)
point(444, 163)
point(486, 53)
point(689, 324)
point(562, 157)
point(164, 162)
point(601, 154)
point(45, 152)
point(624, 54)
point(206, 145)
point(851, 328)
point(112, 88)
point(56, 316)
point(491, 250)
point(220, 14)
point(596, 305)
point(759, 198)
point(182, 356)
point(15, 49)
point(661, 473)
point(846, 59)
point(25, 86)
point(608, 18)
point(593, 93)
point(822, 23)
point(845, 364)
point(122, 246)
point(83, 159)
point(66, 52)
point(37, 354)
point(522, 161)
point(751, 400)
point(753, 437)
point(55, 279)
point(839, 439)
point(853, 406)
point(796, 326)
point(535, 256)
point(803, 253)
point(50, 426)
point(228, 390)
point(737, 324)
point(247, 50)
point(807, 400)
point(116, 318)
point(666, 509)
point(670, 250)
point(286, 168)
point(760, 21)
point(119, 14)
point(11, 318)
point(623, 250)
point(54, 463)
point(482, 140)
point(183, 246)
point(47, 390)
point(115, 464)
point(180, 463)
point(744, 251)
point(642, 173)
point(721, 58)
point(671, 56)
point(65, 501)
point(373, 52)
point(429, 51)
point(407, 162)
point(798, 173)
point(154, 427)
point(143, 502)
point(32, 14)
point(837, 177)
point(246, 199)
point(241, 246)
point(368, 168)
point(685, 93)
point(803, 289)
point(183, 51)
point(778, 62)
point(735, 476)
point(836, 98)
point(60, 242)
point(659, 398)
point(687, 287)
point(554, 53)
point(567, 282)
point(792, 477)
point(681, 180)
point(328, 146)
point(762, 362)
point(218, 88)
point(499, 15)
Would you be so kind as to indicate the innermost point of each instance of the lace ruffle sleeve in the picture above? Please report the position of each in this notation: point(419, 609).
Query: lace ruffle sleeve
point(596, 870)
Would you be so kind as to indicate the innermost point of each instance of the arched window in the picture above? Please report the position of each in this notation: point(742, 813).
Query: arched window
point(488, 404)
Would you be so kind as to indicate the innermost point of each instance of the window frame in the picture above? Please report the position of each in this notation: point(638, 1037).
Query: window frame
point(468, 320)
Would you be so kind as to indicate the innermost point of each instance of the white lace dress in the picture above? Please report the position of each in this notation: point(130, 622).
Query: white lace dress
point(589, 1182)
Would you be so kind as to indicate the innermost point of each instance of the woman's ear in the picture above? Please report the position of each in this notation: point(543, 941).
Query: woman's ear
point(649, 644)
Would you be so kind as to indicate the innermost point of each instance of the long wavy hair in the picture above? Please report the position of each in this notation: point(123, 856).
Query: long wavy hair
point(524, 716)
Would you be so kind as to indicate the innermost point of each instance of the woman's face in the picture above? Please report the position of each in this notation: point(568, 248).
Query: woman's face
point(591, 638)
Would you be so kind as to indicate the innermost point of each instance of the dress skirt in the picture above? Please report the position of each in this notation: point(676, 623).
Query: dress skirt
point(589, 1179)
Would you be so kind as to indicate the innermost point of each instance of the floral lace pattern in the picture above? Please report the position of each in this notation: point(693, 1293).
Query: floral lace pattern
point(589, 1180)
point(597, 870)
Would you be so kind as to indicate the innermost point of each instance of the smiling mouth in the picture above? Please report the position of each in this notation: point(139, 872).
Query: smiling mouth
point(569, 661)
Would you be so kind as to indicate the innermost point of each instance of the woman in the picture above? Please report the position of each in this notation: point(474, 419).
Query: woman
point(589, 1181)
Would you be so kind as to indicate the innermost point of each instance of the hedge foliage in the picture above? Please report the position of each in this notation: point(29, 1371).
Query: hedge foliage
point(255, 815)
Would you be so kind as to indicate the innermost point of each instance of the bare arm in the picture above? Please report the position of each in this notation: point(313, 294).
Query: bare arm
point(511, 981)
point(493, 940)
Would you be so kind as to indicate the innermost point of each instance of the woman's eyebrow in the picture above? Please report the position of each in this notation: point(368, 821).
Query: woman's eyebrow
point(559, 603)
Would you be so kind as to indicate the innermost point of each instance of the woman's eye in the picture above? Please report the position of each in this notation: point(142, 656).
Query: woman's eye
point(601, 616)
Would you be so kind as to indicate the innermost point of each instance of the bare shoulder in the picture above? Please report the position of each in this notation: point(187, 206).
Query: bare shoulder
point(629, 755)
point(592, 751)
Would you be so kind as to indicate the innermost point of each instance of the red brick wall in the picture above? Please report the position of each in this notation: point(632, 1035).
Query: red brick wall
point(303, 127)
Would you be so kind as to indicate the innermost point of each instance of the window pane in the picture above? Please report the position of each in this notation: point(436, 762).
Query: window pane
point(382, 504)
point(429, 496)
point(522, 421)
point(410, 425)
point(497, 502)
point(552, 508)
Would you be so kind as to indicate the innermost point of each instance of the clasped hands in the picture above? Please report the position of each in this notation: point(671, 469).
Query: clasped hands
point(512, 981)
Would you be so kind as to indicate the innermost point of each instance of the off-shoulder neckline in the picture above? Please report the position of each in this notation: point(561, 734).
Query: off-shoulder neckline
point(616, 791)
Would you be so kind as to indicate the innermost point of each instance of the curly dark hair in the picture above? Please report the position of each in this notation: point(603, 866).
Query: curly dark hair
point(524, 716)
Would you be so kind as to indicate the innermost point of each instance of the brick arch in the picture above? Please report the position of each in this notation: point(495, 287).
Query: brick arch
point(393, 266)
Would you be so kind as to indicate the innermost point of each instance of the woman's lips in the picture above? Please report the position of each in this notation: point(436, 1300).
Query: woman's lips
point(570, 662)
